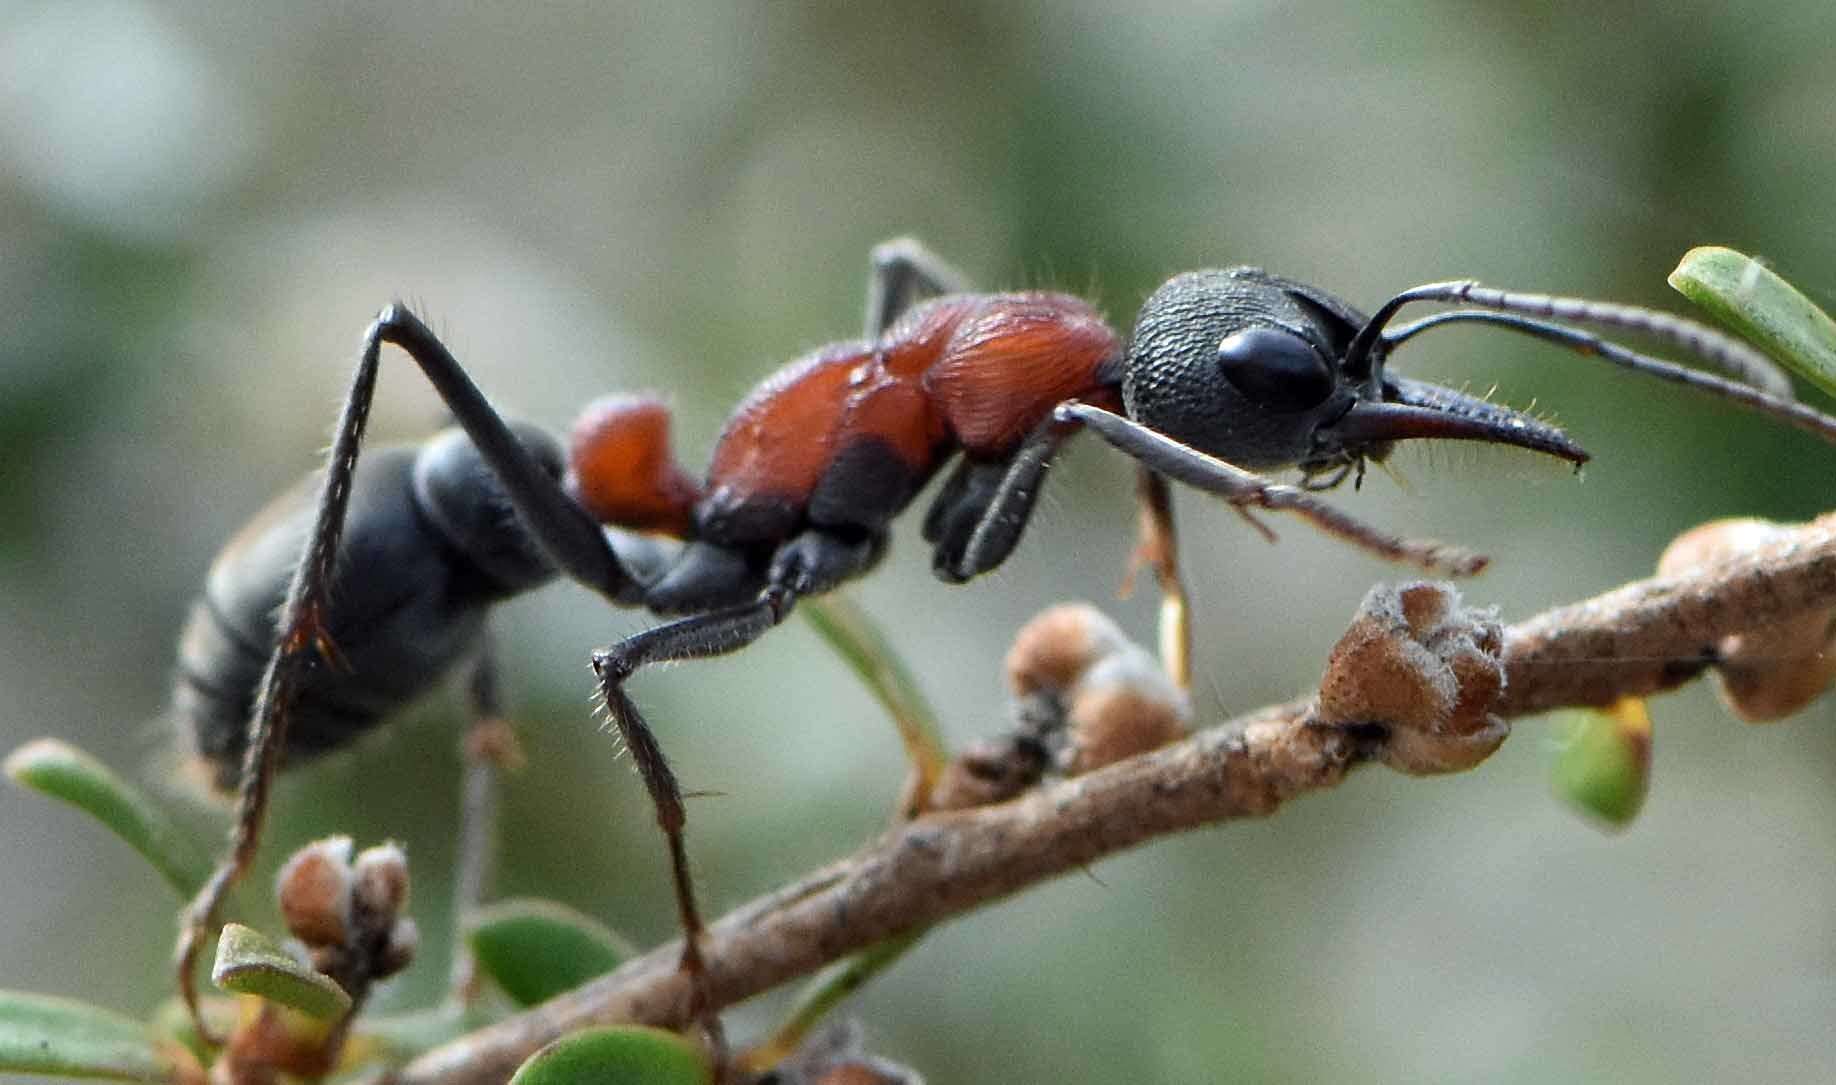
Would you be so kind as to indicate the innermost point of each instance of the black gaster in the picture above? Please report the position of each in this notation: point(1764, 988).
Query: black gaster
point(430, 542)
point(405, 610)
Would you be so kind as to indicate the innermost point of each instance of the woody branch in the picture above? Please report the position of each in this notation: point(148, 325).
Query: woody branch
point(1627, 642)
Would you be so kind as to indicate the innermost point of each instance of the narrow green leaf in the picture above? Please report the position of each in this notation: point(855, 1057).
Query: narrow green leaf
point(64, 1038)
point(627, 1054)
point(865, 649)
point(401, 1036)
point(536, 949)
point(823, 994)
point(1757, 305)
point(249, 963)
point(64, 772)
point(1603, 767)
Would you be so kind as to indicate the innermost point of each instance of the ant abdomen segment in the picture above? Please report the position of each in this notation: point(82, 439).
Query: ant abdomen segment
point(430, 543)
point(456, 490)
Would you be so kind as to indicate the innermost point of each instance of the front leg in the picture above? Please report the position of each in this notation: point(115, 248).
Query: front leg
point(975, 546)
point(1245, 490)
point(1157, 548)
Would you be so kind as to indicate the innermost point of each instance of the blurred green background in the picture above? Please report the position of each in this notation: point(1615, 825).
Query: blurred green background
point(202, 205)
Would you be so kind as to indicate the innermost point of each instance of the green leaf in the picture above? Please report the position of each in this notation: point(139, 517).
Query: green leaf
point(173, 1021)
point(64, 772)
point(401, 1036)
point(536, 949)
point(823, 994)
point(1757, 305)
point(1604, 765)
point(249, 963)
point(870, 655)
point(626, 1054)
point(64, 1038)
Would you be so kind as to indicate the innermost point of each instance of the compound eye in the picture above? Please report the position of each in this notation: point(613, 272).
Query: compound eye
point(1275, 369)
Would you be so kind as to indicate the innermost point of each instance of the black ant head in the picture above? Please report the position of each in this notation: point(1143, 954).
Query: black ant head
point(1261, 372)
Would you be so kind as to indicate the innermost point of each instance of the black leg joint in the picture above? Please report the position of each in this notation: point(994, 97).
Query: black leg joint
point(611, 665)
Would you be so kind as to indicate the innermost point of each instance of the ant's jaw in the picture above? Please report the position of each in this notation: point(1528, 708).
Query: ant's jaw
point(1416, 410)
point(1328, 471)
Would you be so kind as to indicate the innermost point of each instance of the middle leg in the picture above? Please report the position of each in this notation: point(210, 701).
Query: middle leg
point(902, 273)
point(809, 564)
point(696, 637)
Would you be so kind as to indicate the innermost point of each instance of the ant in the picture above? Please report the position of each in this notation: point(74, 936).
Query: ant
point(1227, 372)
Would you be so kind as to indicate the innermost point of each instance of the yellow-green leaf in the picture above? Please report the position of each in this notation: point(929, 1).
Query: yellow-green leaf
point(870, 655)
point(64, 772)
point(1759, 306)
point(626, 1054)
point(249, 963)
point(1604, 764)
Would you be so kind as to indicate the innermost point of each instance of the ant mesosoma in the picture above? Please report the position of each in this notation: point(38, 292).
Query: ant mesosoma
point(321, 618)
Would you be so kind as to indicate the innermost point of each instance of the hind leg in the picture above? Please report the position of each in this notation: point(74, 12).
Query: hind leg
point(565, 533)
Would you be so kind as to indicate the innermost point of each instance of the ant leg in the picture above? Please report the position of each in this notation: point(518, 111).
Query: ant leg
point(902, 272)
point(809, 564)
point(302, 640)
point(999, 527)
point(1246, 490)
point(975, 524)
point(490, 749)
point(565, 533)
point(1158, 549)
point(696, 637)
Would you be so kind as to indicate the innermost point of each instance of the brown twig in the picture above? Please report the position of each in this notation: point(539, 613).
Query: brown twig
point(1656, 634)
point(1626, 642)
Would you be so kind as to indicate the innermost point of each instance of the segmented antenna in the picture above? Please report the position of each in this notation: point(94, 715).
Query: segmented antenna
point(1756, 382)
